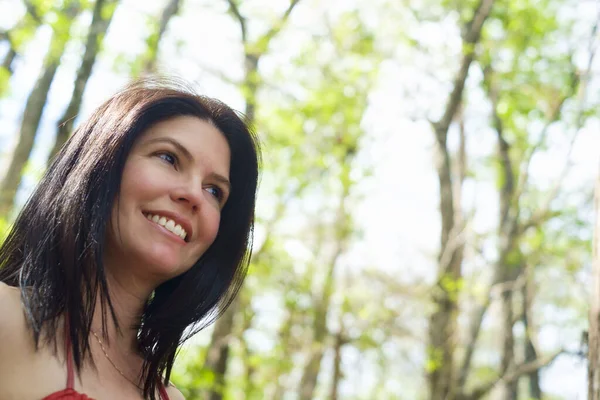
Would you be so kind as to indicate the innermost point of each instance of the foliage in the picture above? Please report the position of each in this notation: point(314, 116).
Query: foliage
point(320, 90)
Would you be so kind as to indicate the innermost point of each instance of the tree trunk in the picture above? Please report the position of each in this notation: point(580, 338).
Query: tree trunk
point(28, 24)
point(284, 340)
point(9, 58)
point(311, 371)
point(507, 389)
point(250, 90)
point(170, 10)
point(100, 22)
point(310, 374)
point(33, 112)
point(507, 268)
point(535, 391)
point(250, 387)
point(7, 70)
point(337, 362)
point(442, 323)
point(218, 352)
point(594, 317)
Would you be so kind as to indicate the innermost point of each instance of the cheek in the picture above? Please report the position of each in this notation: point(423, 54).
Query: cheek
point(140, 184)
point(214, 226)
point(210, 226)
point(118, 219)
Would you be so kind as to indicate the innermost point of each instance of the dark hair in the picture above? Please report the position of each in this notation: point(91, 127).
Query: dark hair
point(54, 249)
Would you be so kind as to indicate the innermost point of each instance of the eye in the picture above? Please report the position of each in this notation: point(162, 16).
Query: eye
point(216, 192)
point(168, 157)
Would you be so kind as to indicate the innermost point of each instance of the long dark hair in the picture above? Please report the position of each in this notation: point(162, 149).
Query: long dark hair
point(54, 249)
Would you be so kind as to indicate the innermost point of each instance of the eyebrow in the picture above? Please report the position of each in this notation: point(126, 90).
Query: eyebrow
point(181, 148)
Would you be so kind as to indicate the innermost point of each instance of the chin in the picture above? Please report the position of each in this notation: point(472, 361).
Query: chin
point(162, 263)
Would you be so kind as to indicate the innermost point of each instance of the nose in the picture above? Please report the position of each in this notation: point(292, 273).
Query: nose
point(188, 194)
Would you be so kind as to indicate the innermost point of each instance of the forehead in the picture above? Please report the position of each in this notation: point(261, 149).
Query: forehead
point(201, 138)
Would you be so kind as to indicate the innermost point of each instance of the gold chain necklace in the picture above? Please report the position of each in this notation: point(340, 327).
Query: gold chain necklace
point(113, 364)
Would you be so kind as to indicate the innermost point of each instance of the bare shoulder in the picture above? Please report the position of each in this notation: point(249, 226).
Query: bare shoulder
point(9, 291)
point(174, 393)
point(11, 312)
point(14, 343)
point(12, 319)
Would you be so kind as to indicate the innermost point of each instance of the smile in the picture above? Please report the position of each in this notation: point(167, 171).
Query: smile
point(168, 224)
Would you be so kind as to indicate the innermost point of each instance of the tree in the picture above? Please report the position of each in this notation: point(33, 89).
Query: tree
point(254, 50)
point(101, 18)
point(442, 323)
point(513, 110)
point(594, 329)
point(17, 37)
point(150, 57)
point(35, 103)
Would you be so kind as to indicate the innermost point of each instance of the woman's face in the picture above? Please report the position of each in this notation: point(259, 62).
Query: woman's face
point(174, 185)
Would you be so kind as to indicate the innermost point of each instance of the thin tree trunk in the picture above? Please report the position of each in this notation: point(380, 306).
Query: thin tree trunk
point(508, 266)
point(337, 360)
point(507, 389)
point(535, 391)
point(476, 319)
point(7, 69)
point(594, 316)
point(33, 112)
point(218, 352)
point(29, 21)
point(442, 323)
point(100, 22)
point(9, 58)
point(312, 368)
point(251, 87)
point(311, 371)
point(170, 10)
point(285, 334)
point(250, 387)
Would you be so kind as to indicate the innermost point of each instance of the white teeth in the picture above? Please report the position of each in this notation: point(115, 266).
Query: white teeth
point(177, 230)
point(169, 224)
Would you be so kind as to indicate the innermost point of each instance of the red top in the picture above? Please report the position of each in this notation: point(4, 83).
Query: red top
point(71, 394)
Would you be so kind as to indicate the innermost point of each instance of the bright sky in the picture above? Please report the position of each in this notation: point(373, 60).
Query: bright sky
point(403, 239)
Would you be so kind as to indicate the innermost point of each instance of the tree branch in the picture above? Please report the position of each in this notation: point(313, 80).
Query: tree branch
point(510, 376)
point(33, 12)
point(233, 7)
point(11, 54)
point(537, 219)
point(579, 83)
point(276, 28)
point(470, 39)
point(553, 116)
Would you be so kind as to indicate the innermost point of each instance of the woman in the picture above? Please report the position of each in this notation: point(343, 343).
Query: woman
point(138, 236)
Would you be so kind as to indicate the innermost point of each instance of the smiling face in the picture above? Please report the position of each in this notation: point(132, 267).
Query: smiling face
point(174, 185)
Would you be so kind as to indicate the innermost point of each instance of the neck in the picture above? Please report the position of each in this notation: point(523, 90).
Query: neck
point(128, 297)
point(119, 343)
point(129, 287)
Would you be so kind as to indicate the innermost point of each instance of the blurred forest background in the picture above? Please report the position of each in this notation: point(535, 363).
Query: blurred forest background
point(426, 207)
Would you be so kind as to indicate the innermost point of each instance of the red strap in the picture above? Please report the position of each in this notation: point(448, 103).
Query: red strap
point(163, 392)
point(70, 375)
